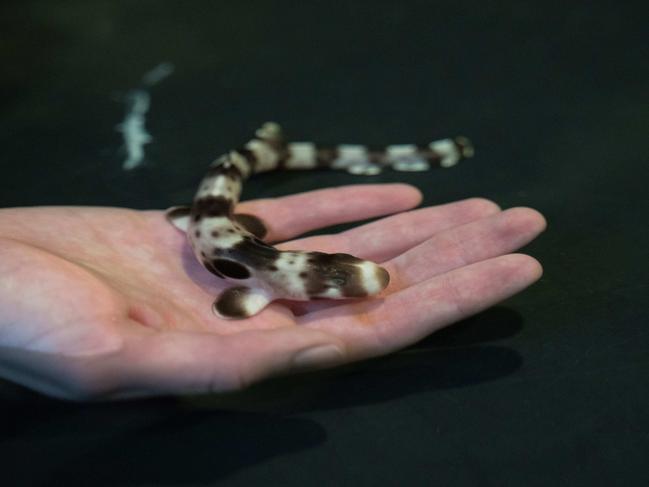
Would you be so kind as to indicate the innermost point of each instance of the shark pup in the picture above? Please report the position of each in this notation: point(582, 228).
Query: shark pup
point(231, 246)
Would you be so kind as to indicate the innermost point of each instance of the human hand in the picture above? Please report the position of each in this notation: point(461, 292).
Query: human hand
point(108, 302)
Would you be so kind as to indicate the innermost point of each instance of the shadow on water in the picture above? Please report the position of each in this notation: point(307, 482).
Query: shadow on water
point(171, 441)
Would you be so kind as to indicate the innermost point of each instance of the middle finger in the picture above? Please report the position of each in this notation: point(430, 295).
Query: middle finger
point(466, 244)
point(389, 237)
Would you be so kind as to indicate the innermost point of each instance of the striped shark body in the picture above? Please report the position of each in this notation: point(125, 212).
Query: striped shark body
point(231, 245)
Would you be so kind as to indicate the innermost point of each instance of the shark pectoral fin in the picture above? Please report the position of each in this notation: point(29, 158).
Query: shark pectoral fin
point(251, 223)
point(178, 216)
point(240, 302)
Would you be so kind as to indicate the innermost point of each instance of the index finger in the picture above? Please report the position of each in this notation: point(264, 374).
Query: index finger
point(375, 327)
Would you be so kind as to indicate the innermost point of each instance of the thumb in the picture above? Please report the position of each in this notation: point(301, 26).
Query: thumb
point(268, 353)
point(183, 362)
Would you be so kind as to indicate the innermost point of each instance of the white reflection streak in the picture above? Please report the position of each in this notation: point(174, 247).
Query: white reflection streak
point(133, 127)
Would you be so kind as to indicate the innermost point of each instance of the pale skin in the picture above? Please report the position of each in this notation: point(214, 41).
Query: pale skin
point(106, 303)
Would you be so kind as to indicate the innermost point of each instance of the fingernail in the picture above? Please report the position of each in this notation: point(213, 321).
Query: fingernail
point(317, 357)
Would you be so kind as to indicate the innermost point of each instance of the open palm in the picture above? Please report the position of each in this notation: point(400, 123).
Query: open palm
point(109, 302)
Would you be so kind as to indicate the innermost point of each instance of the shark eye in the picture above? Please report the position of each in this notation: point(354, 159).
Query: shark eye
point(230, 268)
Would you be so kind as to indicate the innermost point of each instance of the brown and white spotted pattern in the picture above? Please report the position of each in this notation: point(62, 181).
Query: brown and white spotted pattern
point(231, 245)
